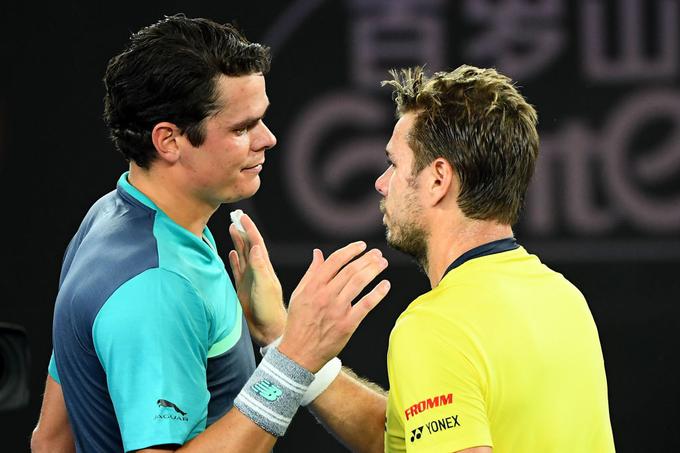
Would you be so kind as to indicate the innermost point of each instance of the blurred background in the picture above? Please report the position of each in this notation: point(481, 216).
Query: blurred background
point(603, 209)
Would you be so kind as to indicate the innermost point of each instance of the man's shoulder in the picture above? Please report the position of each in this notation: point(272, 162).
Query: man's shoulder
point(115, 242)
point(429, 314)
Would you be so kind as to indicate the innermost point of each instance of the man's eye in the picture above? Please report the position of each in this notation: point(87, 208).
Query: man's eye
point(244, 130)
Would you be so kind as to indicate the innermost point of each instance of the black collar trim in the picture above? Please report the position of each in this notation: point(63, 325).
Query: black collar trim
point(491, 248)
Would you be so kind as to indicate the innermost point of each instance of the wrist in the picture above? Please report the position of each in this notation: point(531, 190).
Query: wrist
point(268, 332)
point(290, 350)
point(273, 393)
point(270, 337)
point(322, 378)
point(270, 345)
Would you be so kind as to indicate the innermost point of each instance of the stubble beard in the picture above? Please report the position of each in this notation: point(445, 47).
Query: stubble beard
point(408, 236)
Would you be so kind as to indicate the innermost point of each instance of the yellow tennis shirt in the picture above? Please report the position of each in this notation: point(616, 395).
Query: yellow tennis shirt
point(503, 352)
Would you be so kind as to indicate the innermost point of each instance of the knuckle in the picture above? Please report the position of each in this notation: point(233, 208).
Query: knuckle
point(354, 267)
point(359, 281)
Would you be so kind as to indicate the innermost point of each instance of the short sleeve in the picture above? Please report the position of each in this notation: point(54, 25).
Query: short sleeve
point(52, 369)
point(436, 401)
point(151, 337)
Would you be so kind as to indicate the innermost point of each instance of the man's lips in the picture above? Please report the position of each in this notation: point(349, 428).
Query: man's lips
point(254, 168)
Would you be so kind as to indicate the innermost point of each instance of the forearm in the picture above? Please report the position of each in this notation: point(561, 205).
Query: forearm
point(53, 433)
point(262, 410)
point(354, 412)
point(58, 442)
point(232, 433)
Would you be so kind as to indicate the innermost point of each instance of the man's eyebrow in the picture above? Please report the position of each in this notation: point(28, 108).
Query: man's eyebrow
point(250, 121)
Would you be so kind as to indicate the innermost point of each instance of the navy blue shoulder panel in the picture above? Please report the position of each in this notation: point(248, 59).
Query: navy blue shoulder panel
point(227, 373)
point(114, 243)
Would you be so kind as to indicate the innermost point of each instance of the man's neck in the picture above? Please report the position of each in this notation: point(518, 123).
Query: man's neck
point(179, 205)
point(448, 242)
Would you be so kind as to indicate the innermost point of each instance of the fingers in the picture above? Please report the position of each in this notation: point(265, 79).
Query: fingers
point(239, 243)
point(236, 236)
point(251, 238)
point(256, 259)
point(338, 259)
point(235, 265)
point(341, 279)
point(317, 260)
point(367, 303)
point(253, 234)
point(356, 276)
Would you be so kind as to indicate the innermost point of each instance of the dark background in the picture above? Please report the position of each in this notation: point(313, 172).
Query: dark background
point(604, 208)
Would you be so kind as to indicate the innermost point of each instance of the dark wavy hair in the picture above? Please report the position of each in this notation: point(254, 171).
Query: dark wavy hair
point(168, 72)
point(478, 121)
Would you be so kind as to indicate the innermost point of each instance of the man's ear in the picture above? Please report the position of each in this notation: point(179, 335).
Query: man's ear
point(165, 137)
point(442, 180)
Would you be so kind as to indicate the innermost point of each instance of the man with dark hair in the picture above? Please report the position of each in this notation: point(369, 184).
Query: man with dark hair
point(152, 349)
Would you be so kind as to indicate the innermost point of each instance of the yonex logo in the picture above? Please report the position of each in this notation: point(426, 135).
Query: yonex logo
point(267, 390)
point(435, 426)
point(416, 433)
point(442, 424)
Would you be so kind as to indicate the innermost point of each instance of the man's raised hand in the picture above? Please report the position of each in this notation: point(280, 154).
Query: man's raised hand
point(321, 316)
point(257, 286)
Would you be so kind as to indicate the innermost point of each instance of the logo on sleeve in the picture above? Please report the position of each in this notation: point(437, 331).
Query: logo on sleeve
point(416, 434)
point(429, 403)
point(435, 426)
point(166, 413)
point(267, 390)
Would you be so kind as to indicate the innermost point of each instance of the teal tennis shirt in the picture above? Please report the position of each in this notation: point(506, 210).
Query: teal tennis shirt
point(150, 343)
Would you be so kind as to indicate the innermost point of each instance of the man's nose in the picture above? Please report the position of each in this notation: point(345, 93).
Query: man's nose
point(381, 183)
point(266, 140)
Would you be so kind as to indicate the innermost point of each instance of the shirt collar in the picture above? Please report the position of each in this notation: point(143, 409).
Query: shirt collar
point(490, 248)
point(126, 188)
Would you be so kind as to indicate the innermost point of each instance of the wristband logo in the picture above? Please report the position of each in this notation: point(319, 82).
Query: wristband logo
point(267, 390)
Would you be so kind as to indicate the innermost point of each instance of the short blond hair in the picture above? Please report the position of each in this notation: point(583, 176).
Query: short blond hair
point(478, 121)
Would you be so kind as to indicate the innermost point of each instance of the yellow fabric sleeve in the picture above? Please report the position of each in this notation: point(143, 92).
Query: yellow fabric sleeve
point(436, 400)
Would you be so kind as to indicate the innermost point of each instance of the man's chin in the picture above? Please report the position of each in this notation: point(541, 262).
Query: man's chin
point(394, 242)
point(244, 194)
point(413, 246)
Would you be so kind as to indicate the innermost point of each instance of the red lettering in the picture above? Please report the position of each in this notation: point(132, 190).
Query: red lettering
point(422, 406)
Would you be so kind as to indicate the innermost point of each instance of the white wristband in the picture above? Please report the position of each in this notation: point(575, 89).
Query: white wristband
point(322, 378)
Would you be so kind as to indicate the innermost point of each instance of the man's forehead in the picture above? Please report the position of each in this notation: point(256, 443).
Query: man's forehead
point(403, 126)
point(400, 133)
point(241, 89)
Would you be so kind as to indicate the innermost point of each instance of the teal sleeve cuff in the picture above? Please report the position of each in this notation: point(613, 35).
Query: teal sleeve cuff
point(52, 369)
